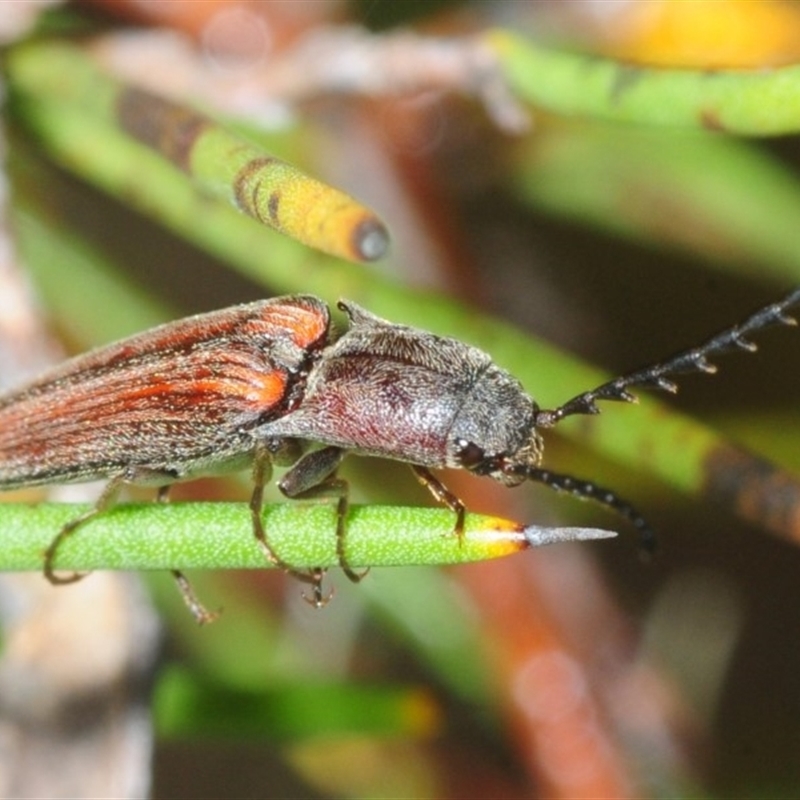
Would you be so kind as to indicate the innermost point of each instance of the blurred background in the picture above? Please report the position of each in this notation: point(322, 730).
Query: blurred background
point(616, 235)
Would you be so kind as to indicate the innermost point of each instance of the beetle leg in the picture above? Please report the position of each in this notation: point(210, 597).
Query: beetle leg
point(442, 495)
point(315, 476)
point(105, 500)
point(262, 473)
point(196, 608)
point(201, 615)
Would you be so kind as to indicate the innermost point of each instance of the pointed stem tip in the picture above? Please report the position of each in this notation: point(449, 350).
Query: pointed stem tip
point(537, 535)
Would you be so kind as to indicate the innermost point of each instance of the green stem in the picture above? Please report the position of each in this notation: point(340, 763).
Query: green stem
point(751, 103)
point(717, 197)
point(219, 536)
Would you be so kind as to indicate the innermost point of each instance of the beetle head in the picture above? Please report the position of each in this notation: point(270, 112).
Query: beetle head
point(494, 431)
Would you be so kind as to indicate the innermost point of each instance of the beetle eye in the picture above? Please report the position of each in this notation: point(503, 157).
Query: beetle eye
point(470, 455)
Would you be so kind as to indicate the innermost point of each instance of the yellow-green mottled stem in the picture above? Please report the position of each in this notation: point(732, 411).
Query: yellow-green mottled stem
point(219, 163)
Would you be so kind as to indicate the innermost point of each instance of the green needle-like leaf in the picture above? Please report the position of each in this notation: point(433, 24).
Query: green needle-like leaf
point(749, 102)
point(219, 536)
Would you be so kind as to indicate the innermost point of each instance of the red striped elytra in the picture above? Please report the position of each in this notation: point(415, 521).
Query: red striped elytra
point(271, 382)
